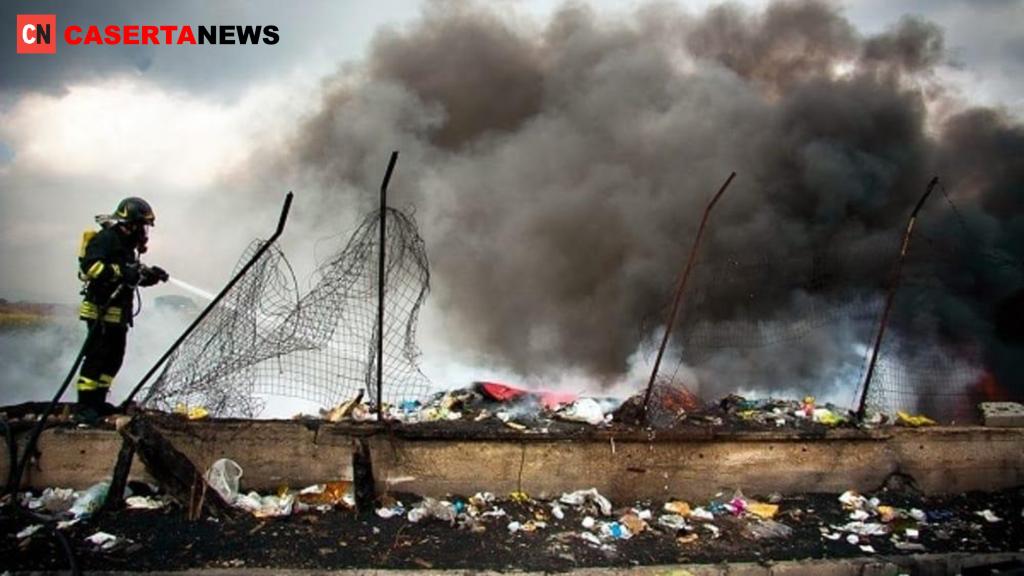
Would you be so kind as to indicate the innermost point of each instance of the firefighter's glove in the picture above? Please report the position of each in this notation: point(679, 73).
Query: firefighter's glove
point(152, 275)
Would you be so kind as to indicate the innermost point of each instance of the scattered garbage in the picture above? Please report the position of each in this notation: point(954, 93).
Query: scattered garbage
point(326, 496)
point(51, 501)
point(766, 529)
point(28, 531)
point(678, 507)
point(270, 506)
point(702, 514)
point(634, 522)
point(528, 526)
point(615, 530)
point(591, 496)
point(762, 510)
point(526, 410)
point(556, 511)
point(864, 528)
point(827, 417)
point(223, 477)
point(343, 410)
point(432, 508)
point(191, 412)
point(90, 500)
point(583, 410)
point(989, 516)
point(673, 522)
point(393, 511)
point(103, 540)
point(852, 500)
point(143, 503)
point(905, 419)
point(590, 538)
point(868, 524)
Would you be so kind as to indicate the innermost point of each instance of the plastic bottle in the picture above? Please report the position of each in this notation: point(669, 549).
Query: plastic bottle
point(89, 501)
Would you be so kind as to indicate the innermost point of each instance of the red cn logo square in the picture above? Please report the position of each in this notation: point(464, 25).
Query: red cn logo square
point(37, 33)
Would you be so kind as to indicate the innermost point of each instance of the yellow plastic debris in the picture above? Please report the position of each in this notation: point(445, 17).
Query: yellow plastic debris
point(519, 497)
point(829, 418)
point(905, 419)
point(332, 494)
point(193, 413)
point(886, 513)
point(678, 507)
point(762, 510)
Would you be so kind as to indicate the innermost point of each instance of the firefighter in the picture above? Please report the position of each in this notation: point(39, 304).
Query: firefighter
point(109, 266)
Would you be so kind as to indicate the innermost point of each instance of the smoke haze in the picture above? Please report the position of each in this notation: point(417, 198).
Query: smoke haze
point(560, 169)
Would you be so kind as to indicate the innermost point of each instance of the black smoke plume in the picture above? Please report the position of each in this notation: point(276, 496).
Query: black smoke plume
point(560, 169)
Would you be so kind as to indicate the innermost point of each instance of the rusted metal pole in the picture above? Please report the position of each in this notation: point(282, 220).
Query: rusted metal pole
point(893, 285)
point(679, 291)
point(380, 284)
point(220, 296)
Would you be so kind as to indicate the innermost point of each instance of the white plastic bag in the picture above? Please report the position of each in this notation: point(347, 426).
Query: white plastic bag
point(223, 477)
point(583, 410)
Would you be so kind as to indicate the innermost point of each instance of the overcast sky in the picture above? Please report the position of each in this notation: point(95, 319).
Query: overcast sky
point(81, 129)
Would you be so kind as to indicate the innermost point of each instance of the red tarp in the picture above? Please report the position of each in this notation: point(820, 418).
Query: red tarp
point(505, 393)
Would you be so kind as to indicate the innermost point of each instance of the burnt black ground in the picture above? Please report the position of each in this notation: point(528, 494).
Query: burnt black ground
point(166, 540)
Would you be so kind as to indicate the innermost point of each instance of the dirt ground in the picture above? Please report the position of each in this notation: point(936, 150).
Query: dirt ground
point(165, 539)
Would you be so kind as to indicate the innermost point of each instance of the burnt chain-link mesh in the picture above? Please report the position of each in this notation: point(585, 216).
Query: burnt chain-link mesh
point(264, 340)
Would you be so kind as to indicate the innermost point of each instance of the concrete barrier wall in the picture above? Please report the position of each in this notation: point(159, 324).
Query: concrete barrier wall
point(271, 454)
point(941, 460)
point(71, 458)
point(691, 470)
point(634, 466)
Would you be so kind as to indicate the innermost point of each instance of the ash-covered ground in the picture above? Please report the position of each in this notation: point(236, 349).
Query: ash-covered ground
point(517, 532)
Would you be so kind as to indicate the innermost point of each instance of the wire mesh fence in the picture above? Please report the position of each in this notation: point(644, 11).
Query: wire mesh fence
point(803, 324)
point(806, 325)
point(265, 339)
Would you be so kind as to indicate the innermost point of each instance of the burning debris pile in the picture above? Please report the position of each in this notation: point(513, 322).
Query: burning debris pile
point(264, 338)
point(490, 405)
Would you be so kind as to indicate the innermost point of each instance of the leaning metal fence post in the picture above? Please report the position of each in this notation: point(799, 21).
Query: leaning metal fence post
point(679, 291)
point(380, 284)
point(252, 261)
point(893, 285)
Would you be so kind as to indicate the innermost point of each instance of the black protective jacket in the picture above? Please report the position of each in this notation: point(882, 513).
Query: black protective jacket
point(104, 261)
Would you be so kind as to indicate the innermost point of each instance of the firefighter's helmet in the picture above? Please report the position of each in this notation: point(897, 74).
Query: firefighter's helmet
point(134, 210)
